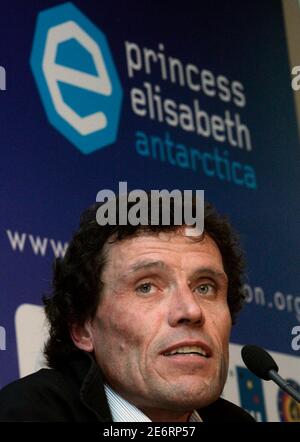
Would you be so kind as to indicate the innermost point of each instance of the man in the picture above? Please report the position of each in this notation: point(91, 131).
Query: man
point(140, 318)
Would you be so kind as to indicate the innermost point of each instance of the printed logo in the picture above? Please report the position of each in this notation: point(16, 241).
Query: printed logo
point(289, 409)
point(251, 394)
point(76, 78)
point(31, 335)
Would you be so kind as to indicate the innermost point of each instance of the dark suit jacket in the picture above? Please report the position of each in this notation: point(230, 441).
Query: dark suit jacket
point(76, 394)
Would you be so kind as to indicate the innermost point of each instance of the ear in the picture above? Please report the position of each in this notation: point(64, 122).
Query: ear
point(82, 336)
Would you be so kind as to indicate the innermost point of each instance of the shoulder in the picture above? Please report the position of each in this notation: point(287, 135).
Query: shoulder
point(43, 395)
point(224, 411)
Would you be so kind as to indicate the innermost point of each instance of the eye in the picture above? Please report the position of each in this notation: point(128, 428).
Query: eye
point(145, 288)
point(206, 288)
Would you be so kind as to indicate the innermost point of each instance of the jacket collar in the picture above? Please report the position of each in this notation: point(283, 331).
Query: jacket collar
point(91, 382)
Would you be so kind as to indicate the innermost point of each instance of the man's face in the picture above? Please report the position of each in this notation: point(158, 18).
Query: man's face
point(161, 330)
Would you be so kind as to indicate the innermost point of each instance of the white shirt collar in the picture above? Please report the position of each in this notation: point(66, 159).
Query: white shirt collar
point(124, 411)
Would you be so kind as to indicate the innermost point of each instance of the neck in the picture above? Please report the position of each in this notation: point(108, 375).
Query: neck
point(165, 415)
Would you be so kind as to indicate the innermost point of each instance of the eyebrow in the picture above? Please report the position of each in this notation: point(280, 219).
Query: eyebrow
point(208, 271)
point(161, 265)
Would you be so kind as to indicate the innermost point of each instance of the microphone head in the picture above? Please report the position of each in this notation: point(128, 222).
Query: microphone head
point(258, 361)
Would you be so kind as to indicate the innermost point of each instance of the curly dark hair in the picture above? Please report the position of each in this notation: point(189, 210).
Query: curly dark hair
point(77, 281)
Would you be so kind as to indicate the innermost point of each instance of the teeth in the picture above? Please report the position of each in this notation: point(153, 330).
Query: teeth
point(187, 350)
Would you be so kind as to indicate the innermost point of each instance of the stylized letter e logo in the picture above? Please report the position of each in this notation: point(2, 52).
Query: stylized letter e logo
point(76, 78)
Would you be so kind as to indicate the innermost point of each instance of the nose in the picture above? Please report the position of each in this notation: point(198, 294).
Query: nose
point(185, 307)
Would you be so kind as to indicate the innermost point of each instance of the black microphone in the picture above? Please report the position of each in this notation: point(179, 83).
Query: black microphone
point(263, 365)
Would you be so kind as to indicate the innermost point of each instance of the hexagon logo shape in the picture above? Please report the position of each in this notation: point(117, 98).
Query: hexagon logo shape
point(76, 78)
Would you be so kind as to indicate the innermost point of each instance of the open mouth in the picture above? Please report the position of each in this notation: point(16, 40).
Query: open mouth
point(188, 350)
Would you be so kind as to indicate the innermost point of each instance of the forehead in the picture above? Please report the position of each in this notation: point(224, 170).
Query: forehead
point(169, 249)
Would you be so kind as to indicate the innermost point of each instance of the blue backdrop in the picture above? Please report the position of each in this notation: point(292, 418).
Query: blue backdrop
point(196, 96)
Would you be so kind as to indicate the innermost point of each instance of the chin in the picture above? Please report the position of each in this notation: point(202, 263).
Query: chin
point(187, 398)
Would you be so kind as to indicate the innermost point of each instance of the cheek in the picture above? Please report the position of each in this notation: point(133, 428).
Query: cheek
point(222, 326)
point(226, 325)
point(120, 326)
